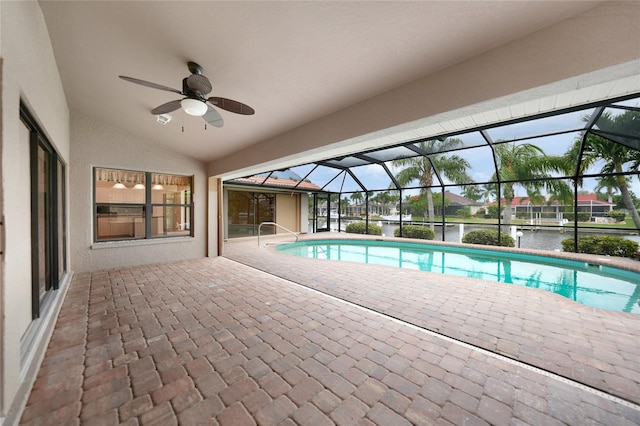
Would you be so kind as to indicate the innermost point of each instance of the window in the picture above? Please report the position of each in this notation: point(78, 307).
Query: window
point(247, 210)
point(48, 230)
point(123, 199)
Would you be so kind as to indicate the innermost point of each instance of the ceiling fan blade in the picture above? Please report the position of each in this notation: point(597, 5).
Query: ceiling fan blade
point(213, 117)
point(149, 84)
point(199, 83)
point(165, 108)
point(231, 105)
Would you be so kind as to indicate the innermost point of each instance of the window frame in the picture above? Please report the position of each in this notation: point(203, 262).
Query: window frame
point(147, 206)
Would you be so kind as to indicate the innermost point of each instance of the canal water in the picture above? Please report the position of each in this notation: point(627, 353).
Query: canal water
point(532, 238)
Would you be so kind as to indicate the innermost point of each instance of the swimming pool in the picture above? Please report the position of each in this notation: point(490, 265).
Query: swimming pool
point(592, 285)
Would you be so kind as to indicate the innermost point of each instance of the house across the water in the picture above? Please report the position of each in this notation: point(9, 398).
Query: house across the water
point(525, 208)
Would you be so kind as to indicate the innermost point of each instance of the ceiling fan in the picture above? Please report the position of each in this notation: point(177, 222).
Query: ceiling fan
point(194, 89)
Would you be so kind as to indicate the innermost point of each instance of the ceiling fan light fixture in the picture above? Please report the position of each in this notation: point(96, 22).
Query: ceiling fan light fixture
point(194, 107)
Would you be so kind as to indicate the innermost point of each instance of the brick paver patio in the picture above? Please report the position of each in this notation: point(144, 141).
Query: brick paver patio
point(215, 341)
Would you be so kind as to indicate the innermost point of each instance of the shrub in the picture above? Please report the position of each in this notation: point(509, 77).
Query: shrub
point(464, 212)
point(618, 215)
point(582, 216)
point(361, 228)
point(481, 212)
point(493, 211)
point(603, 245)
point(415, 231)
point(488, 237)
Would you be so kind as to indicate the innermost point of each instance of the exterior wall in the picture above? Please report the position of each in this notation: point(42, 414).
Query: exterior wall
point(95, 144)
point(584, 50)
point(288, 212)
point(30, 75)
point(19, 257)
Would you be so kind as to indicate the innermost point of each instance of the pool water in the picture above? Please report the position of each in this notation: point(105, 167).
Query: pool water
point(592, 285)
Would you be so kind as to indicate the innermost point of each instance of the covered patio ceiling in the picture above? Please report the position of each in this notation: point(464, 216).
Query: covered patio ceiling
point(307, 65)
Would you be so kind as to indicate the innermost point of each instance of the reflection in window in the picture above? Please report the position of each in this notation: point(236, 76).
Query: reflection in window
point(247, 210)
point(62, 261)
point(124, 197)
point(44, 220)
point(171, 201)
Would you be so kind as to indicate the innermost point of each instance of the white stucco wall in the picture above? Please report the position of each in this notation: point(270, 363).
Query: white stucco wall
point(95, 144)
point(30, 74)
point(18, 256)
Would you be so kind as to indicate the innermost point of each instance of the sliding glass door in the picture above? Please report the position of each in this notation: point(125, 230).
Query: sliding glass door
point(247, 210)
point(42, 214)
point(48, 242)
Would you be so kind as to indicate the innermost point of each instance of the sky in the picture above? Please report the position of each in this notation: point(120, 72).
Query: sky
point(480, 156)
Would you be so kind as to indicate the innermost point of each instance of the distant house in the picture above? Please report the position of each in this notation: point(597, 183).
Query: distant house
point(457, 202)
point(590, 203)
point(587, 203)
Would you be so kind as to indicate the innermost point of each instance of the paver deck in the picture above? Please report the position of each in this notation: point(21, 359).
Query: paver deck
point(218, 341)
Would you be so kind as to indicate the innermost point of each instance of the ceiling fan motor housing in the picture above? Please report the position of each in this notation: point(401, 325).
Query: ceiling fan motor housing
point(190, 93)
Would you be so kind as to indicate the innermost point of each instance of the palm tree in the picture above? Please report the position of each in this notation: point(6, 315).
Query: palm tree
point(422, 168)
point(614, 154)
point(334, 203)
point(609, 184)
point(383, 199)
point(473, 192)
point(489, 190)
point(635, 158)
point(357, 199)
point(393, 200)
point(527, 165)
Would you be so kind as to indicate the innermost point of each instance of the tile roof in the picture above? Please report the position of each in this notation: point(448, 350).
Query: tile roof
point(276, 182)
